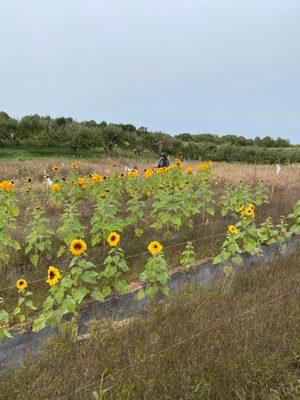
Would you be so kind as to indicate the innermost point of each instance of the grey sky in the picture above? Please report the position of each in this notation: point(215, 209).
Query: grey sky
point(218, 66)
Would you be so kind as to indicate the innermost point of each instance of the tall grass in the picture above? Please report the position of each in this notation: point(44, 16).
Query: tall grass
point(238, 340)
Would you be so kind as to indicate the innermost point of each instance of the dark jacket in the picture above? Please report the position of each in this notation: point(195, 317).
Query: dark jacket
point(163, 162)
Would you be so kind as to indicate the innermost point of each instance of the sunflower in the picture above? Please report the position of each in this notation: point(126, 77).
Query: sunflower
point(113, 239)
point(155, 247)
point(102, 194)
point(55, 168)
point(55, 187)
point(81, 181)
point(133, 173)
point(6, 186)
point(96, 178)
point(54, 275)
point(178, 163)
point(74, 165)
point(148, 173)
point(77, 247)
point(232, 229)
point(249, 212)
point(21, 284)
point(189, 170)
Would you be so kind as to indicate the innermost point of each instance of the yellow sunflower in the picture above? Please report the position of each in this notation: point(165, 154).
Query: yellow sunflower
point(6, 186)
point(96, 178)
point(21, 284)
point(178, 163)
point(155, 247)
point(232, 229)
point(249, 212)
point(113, 239)
point(55, 187)
point(54, 275)
point(77, 247)
point(148, 173)
point(81, 181)
point(102, 194)
point(55, 168)
point(189, 170)
point(74, 165)
point(133, 173)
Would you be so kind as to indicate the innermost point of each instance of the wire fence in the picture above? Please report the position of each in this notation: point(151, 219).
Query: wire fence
point(132, 256)
point(195, 335)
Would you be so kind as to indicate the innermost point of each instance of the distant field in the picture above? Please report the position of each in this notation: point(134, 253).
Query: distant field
point(22, 153)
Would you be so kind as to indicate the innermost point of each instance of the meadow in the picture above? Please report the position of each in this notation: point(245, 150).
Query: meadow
point(79, 231)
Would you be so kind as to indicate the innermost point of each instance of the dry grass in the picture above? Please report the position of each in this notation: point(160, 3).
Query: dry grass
point(240, 356)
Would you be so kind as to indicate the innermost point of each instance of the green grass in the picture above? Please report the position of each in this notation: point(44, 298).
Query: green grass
point(238, 355)
point(23, 153)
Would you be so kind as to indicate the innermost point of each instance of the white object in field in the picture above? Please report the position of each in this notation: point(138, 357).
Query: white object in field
point(127, 169)
point(278, 169)
point(48, 182)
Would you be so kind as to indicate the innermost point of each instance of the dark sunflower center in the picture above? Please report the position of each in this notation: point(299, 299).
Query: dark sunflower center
point(155, 246)
point(52, 275)
point(113, 238)
point(78, 246)
point(21, 283)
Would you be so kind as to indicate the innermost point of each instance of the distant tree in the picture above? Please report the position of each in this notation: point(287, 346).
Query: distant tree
point(112, 135)
point(282, 142)
point(9, 128)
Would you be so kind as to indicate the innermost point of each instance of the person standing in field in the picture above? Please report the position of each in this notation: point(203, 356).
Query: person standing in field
point(163, 161)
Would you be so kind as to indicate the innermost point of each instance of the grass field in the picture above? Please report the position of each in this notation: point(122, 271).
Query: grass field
point(23, 153)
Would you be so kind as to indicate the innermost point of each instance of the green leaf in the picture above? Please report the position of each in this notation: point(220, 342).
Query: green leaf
point(48, 303)
point(34, 258)
point(30, 304)
point(210, 211)
point(89, 277)
point(59, 294)
point(106, 290)
point(60, 251)
point(4, 316)
point(79, 293)
point(15, 245)
point(138, 232)
point(70, 305)
point(121, 286)
point(140, 294)
point(17, 311)
point(97, 295)
point(39, 323)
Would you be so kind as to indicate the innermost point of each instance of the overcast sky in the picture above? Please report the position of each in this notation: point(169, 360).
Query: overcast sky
point(217, 66)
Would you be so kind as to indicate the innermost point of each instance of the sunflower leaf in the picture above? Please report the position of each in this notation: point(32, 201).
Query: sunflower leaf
point(79, 293)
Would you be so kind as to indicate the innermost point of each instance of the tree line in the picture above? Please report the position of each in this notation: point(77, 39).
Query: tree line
point(43, 131)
